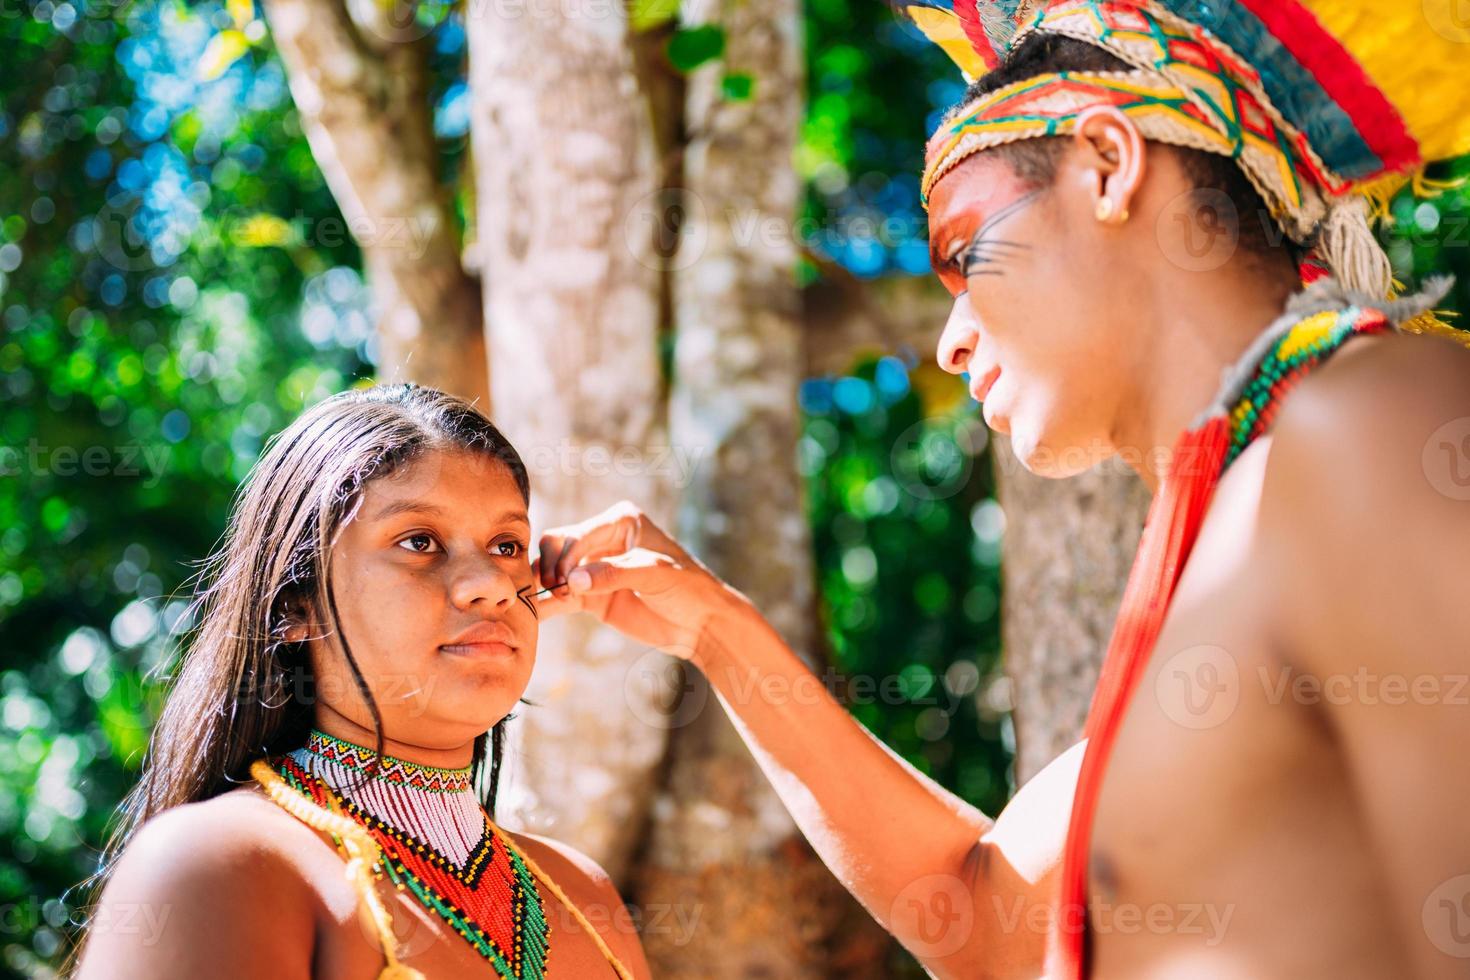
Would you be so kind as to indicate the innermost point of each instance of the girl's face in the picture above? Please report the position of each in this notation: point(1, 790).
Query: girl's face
point(438, 548)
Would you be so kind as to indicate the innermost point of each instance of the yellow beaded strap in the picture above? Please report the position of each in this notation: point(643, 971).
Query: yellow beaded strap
point(363, 854)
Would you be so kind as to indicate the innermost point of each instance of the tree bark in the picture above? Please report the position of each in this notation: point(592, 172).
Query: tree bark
point(721, 842)
point(360, 84)
point(564, 152)
point(844, 317)
point(1067, 550)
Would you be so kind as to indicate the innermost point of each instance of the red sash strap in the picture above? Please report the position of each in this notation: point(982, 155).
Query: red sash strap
point(1200, 457)
point(1169, 532)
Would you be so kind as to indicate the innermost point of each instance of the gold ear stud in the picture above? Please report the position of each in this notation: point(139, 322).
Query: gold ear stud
point(1107, 212)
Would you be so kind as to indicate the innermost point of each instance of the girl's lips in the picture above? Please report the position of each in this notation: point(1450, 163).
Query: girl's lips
point(482, 648)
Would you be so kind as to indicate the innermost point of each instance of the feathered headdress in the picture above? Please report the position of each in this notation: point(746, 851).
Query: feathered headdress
point(1330, 107)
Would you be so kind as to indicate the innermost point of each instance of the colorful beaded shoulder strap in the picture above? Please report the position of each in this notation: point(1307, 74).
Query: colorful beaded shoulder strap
point(1315, 325)
point(515, 939)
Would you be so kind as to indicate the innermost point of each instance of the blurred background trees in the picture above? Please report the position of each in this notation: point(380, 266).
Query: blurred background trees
point(619, 229)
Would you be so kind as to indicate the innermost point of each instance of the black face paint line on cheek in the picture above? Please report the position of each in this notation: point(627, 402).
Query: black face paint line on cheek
point(984, 255)
point(521, 595)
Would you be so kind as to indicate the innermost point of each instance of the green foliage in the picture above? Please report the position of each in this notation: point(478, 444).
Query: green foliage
point(176, 283)
point(907, 537)
point(737, 86)
point(146, 356)
point(645, 15)
point(691, 47)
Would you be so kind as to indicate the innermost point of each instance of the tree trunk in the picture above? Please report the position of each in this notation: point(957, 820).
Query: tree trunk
point(564, 154)
point(360, 84)
point(721, 842)
point(1067, 550)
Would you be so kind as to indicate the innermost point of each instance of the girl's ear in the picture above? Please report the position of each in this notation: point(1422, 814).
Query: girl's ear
point(295, 620)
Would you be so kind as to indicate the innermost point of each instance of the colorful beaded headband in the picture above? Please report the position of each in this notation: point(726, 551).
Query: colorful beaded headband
point(1049, 105)
point(1187, 89)
point(1375, 89)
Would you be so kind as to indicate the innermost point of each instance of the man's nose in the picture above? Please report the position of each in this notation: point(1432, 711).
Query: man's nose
point(961, 336)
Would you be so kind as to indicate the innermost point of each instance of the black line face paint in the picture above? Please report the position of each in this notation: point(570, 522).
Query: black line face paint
point(521, 595)
point(983, 256)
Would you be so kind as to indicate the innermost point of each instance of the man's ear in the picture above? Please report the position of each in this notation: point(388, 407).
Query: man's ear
point(1112, 149)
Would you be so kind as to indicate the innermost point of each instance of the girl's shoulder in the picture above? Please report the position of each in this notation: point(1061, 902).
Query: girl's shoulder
point(592, 890)
point(202, 884)
point(563, 863)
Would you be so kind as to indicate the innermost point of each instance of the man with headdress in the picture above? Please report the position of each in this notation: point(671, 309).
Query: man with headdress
point(1154, 218)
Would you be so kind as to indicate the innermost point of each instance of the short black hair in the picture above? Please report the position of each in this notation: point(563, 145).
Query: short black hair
point(1035, 160)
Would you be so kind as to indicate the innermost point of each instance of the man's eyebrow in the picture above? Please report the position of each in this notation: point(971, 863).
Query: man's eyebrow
point(937, 262)
point(424, 507)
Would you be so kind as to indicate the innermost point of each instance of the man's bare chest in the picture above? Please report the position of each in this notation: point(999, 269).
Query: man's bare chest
point(1224, 809)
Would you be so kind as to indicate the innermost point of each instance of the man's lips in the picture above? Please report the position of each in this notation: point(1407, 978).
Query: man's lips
point(980, 384)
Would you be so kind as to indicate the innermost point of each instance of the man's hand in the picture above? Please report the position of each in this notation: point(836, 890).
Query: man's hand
point(932, 869)
point(622, 568)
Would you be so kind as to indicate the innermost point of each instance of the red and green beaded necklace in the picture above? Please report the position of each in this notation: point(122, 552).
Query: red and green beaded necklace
point(1288, 359)
point(437, 844)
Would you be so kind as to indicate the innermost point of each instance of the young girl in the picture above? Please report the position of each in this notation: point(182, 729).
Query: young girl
point(365, 630)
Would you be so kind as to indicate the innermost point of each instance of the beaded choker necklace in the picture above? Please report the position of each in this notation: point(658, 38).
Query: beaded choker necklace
point(437, 843)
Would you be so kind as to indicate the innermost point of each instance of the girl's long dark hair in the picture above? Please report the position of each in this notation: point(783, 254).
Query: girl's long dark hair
point(242, 690)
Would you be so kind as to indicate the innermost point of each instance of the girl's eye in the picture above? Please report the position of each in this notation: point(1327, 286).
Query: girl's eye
point(519, 549)
point(418, 537)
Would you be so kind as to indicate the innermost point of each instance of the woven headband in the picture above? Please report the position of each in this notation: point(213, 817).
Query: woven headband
point(1048, 105)
point(1186, 88)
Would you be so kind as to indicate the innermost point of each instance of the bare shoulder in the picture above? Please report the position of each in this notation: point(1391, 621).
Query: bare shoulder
point(1366, 486)
point(566, 865)
point(1381, 385)
point(199, 885)
point(591, 889)
point(1373, 424)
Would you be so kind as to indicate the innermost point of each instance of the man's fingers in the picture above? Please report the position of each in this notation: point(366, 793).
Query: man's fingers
point(549, 605)
point(639, 570)
point(544, 566)
point(563, 548)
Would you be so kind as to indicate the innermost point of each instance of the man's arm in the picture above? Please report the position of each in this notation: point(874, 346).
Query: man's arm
point(1365, 517)
point(968, 896)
